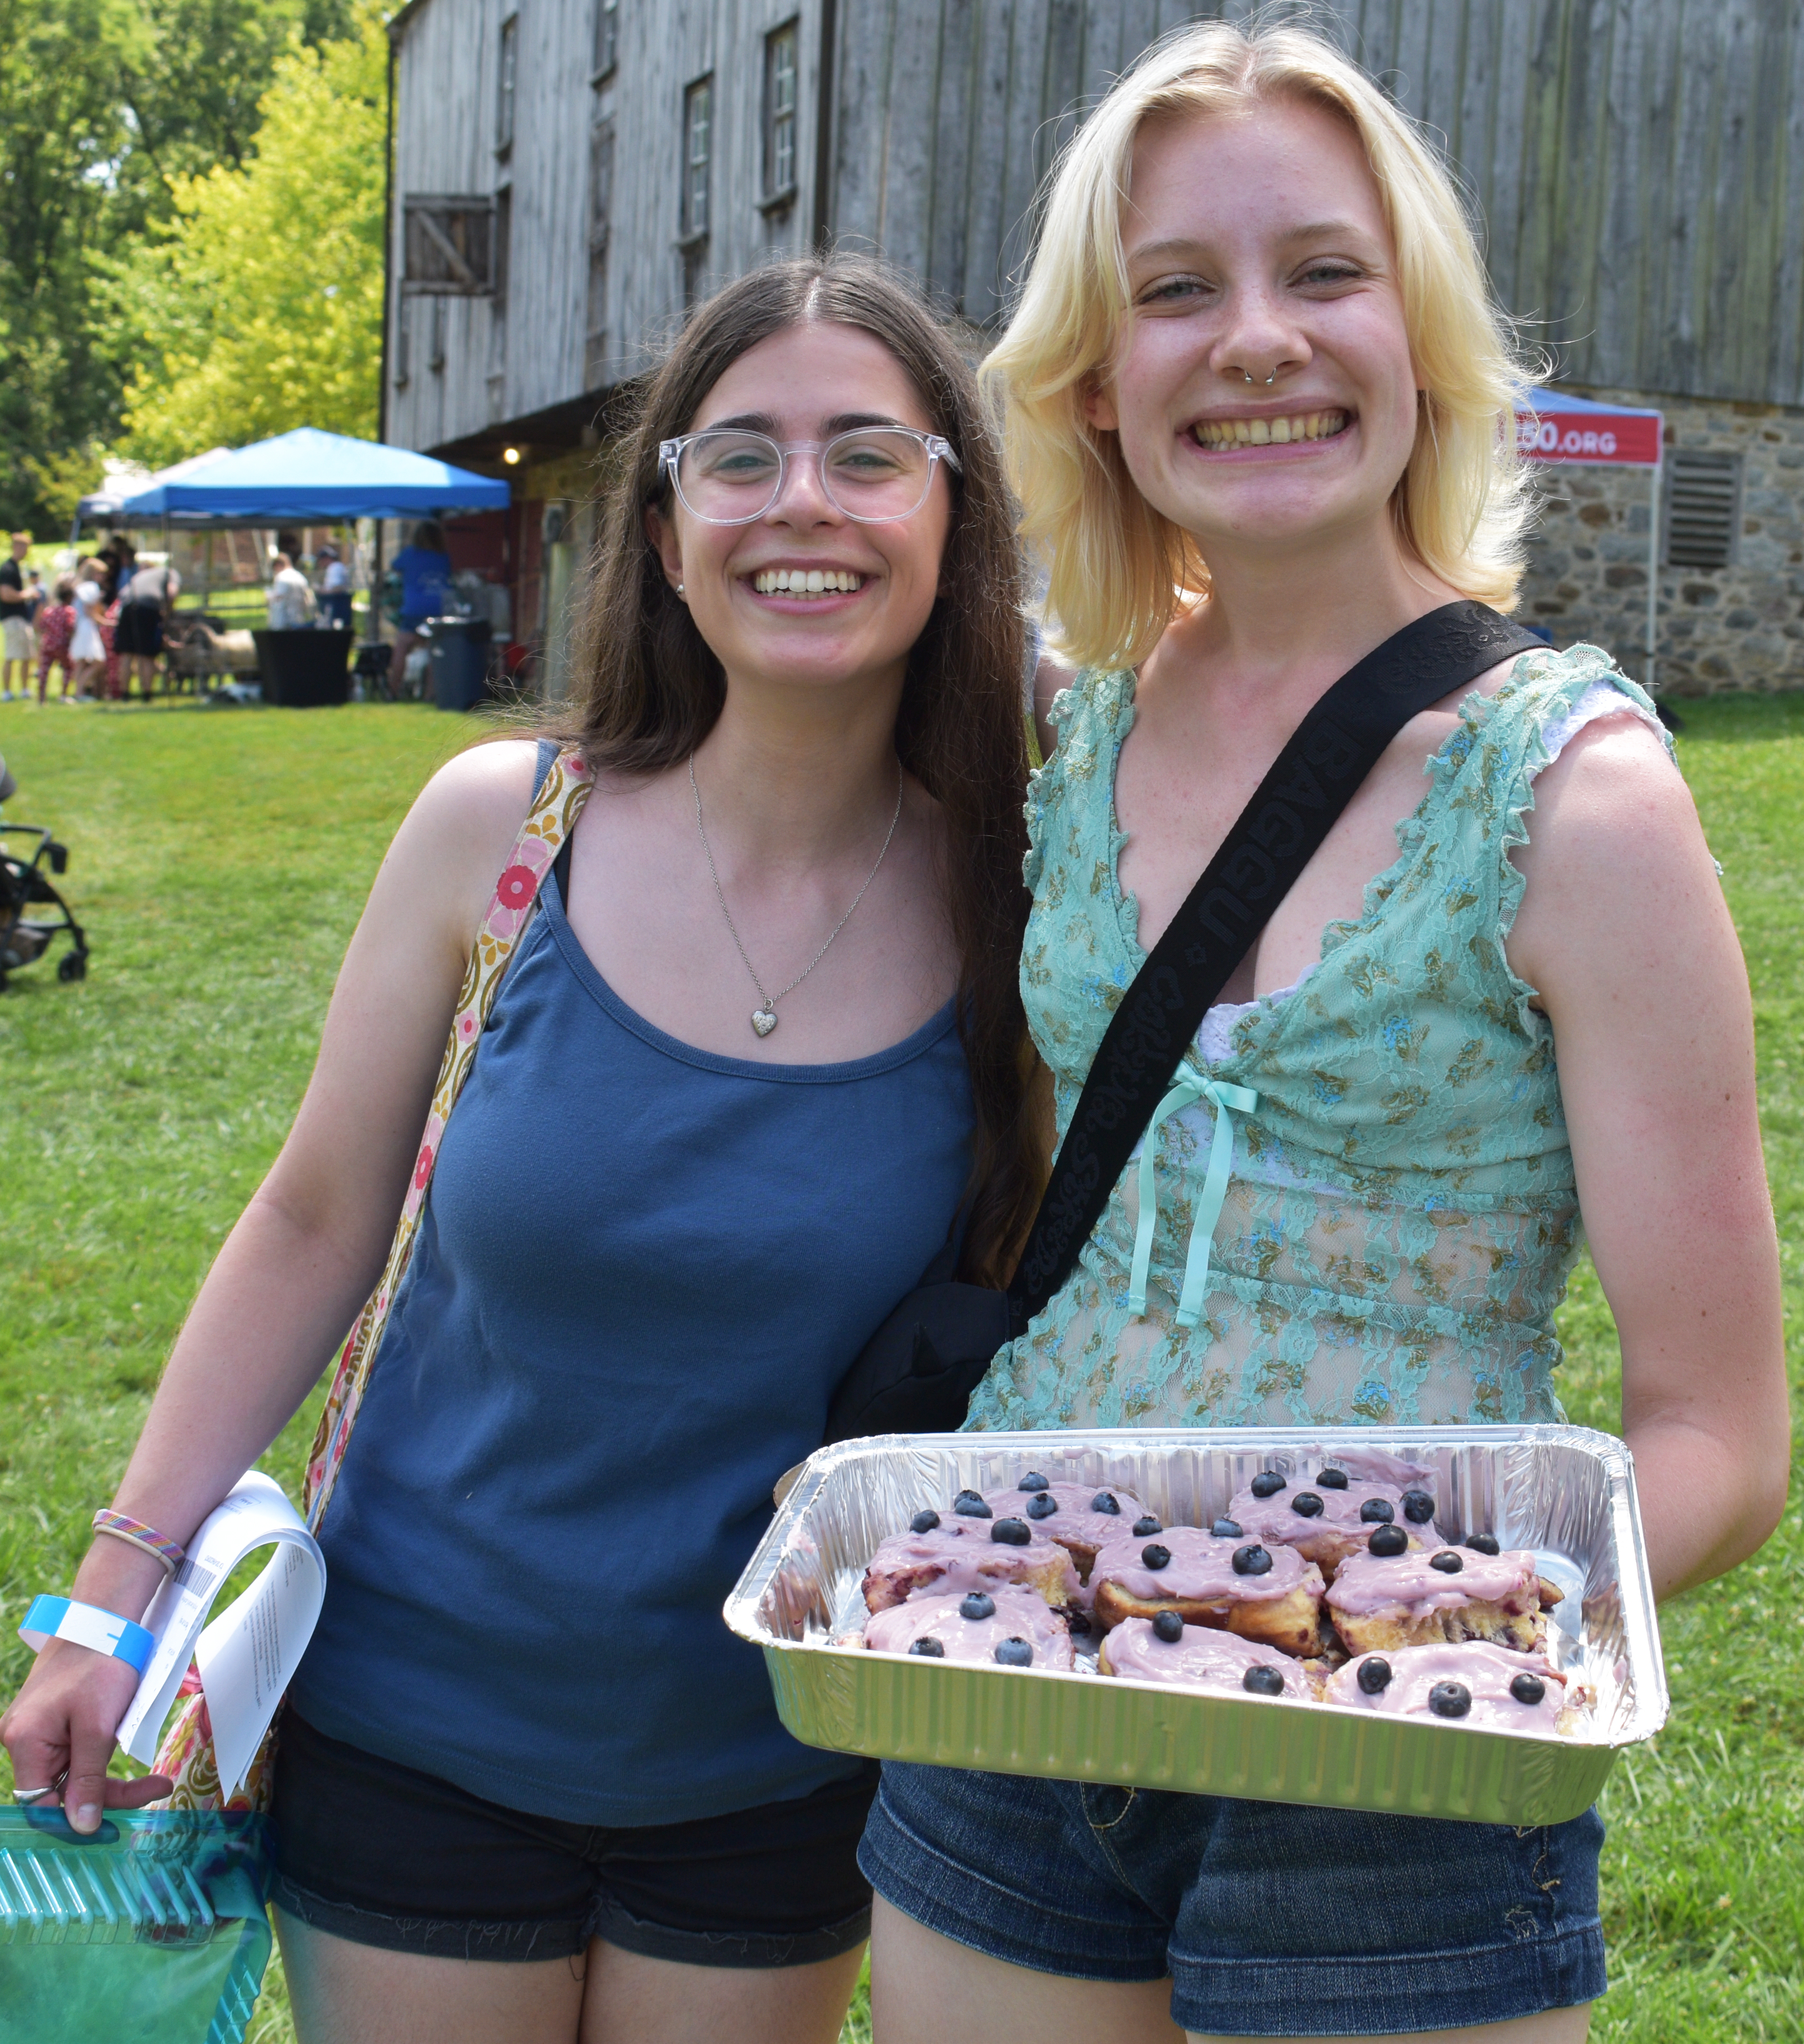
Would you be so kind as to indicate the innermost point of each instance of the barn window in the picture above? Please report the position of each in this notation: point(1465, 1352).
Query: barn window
point(448, 245)
point(698, 148)
point(1703, 496)
point(503, 243)
point(607, 39)
point(780, 88)
point(505, 78)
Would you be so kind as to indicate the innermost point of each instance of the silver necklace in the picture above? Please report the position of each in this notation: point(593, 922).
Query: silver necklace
point(764, 1015)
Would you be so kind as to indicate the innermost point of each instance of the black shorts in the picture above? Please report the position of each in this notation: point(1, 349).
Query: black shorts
point(139, 630)
point(382, 1855)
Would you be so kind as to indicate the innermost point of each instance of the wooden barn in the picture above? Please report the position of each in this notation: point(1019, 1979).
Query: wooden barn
point(570, 174)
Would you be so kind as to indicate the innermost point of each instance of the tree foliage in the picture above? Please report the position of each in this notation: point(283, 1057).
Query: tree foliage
point(105, 106)
point(258, 306)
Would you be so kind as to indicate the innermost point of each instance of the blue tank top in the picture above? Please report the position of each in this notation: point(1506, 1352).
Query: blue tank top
point(641, 1272)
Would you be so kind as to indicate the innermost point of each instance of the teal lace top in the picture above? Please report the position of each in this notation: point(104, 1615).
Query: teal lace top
point(1392, 1215)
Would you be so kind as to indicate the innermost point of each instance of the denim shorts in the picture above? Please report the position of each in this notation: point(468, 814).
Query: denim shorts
point(382, 1854)
point(1272, 1920)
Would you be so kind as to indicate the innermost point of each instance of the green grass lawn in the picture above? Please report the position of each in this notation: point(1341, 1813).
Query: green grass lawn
point(220, 858)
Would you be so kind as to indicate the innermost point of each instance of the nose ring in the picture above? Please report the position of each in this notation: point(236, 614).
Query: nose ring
point(1270, 380)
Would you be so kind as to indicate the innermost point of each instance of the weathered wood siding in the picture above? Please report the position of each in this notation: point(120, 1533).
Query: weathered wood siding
point(1639, 164)
point(574, 281)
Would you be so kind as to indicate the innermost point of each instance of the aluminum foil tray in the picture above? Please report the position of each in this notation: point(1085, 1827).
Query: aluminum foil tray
point(1565, 1491)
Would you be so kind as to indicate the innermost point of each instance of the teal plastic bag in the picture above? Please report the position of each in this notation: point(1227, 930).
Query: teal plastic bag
point(153, 1932)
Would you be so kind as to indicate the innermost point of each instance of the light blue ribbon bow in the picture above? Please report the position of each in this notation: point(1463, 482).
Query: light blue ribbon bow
point(1190, 1088)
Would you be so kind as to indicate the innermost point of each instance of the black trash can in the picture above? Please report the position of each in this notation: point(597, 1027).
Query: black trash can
point(459, 649)
point(304, 669)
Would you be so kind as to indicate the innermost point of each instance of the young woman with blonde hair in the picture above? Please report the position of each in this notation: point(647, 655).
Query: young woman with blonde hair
point(1260, 410)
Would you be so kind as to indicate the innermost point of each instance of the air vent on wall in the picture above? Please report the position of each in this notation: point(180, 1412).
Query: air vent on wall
point(1703, 493)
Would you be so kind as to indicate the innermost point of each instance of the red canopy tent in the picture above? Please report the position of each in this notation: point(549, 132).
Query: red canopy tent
point(1551, 425)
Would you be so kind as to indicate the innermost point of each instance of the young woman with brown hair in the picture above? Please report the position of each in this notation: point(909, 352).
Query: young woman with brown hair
point(757, 1057)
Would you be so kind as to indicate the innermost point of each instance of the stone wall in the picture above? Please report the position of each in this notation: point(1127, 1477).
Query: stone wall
point(1741, 627)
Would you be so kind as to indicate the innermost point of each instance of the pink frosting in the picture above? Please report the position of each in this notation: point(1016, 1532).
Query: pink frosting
point(1201, 1566)
point(958, 1555)
point(1367, 1583)
point(1271, 1519)
point(1485, 1669)
point(1202, 1659)
point(1019, 1614)
point(1074, 1519)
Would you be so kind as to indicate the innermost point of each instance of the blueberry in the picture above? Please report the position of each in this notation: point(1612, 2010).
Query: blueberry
point(1077, 1623)
point(1168, 1626)
point(1386, 1540)
point(1145, 1529)
point(1262, 1682)
point(976, 1605)
point(1375, 1675)
point(1015, 1653)
point(1033, 1481)
point(1448, 1563)
point(1482, 1543)
point(1331, 1479)
point(1377, 1512)
point(1105, 1500)
point(1267, 1484)
point(967, 1504)
point(1012, 1532)
point(1306, 1504)
point(1252, 1562)
point(1418, 1507)
point(1156, 1557)
point(1225, 1529)
point(1450, 1699)
point(923, 1522)
point(930, 1648)
point(1041, 1505)
point(1528, 1688)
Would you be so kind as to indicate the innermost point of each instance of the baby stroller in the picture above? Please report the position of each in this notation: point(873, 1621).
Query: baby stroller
point(32, 912)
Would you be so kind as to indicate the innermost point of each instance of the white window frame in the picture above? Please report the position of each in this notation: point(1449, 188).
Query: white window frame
point(782, 107)
point(697, 160)
point(507, 79)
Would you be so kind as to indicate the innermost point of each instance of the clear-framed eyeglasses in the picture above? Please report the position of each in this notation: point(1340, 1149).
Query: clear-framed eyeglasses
point(873, 475)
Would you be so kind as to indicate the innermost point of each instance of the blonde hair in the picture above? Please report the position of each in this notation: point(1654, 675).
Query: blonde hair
point(1118, 570)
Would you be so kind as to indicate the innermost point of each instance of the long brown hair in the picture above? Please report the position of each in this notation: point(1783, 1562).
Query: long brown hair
point(647, 689)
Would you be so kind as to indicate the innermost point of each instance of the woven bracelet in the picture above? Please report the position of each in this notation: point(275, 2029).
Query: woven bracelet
point(134, 1532)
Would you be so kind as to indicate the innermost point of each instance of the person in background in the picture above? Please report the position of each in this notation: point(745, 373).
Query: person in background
point(145, 601)
point(116, 563)
point(56, 627)
point(87, 646)
point(291, 607)
point(424, 569)
point(15, 620)
point(335, 588)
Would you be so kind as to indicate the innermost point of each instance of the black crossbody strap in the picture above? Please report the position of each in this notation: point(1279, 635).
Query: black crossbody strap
point(1274, 837)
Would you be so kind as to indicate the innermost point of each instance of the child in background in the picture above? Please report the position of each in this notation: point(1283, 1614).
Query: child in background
point(56, 627)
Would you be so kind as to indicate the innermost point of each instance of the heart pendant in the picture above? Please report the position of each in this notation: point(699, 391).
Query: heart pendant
point(763, 1020)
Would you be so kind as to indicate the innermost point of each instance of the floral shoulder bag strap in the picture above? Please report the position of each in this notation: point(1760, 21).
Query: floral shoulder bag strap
point(186, 1755)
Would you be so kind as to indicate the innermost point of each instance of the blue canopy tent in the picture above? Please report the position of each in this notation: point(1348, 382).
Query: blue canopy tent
point(310, 477)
